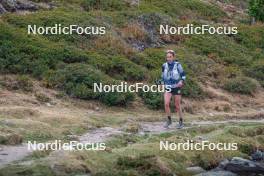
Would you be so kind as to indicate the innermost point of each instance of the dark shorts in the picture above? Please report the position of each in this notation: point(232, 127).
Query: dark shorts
point(175, 91)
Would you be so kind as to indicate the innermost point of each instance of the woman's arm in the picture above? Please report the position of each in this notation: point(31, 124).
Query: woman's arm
point(181, 72)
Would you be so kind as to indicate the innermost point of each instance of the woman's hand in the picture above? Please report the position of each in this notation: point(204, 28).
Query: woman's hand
point(179, 84)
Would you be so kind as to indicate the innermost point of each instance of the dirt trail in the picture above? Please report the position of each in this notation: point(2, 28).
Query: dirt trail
point(157, 127)
point(9, 154)
point(100, 135)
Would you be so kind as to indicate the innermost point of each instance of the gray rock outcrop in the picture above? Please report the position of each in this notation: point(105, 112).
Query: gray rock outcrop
point(242, 166)
point(22, 5)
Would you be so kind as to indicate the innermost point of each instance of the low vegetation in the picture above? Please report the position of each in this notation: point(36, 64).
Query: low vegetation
point(141, 154)
point(115, 56)
point(242, 85)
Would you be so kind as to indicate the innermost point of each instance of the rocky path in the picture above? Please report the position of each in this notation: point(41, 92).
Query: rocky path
point(157, 127)
point(9, 154)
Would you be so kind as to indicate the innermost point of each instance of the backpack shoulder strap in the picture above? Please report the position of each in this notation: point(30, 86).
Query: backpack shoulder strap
point(176, 65)
point(165, 65)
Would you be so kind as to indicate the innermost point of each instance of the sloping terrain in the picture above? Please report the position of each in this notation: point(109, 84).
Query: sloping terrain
point(46, 85)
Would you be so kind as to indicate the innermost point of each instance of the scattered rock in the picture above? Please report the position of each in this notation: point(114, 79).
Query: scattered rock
point(9, 5)
point(150, 22)
point(200, 138)
point(13, 153)
point(26, 5)
point(73, 137)
point(223, 163)
point(195, 170)
point(2, 9)
point(22, 5)
point(258, 156)
point(242, 166)
point(99, 135)
point(48, 104)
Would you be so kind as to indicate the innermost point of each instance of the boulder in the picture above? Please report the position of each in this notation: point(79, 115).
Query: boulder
point(2, 9)
point(9, 5)
point(258, 156)
point(195, 170)
point(26, 5)
point(242, 166)
point(22, 5)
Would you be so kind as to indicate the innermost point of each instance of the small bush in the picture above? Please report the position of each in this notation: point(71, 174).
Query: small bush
point(115, 98)
point(210, 11)
point(221, 47)
point(246, 148)
point(78, 80)
point(11, 139)
point(192, 89)
point(42, 97)
point(104, 5)
point(144, 165)
point(153, 100)
point(23, 83)
point(256, 71)
point(242, 85)
point(256, 9)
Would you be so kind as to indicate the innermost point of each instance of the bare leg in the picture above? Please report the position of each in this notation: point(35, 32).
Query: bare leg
point(177, 102)
point(167, 99)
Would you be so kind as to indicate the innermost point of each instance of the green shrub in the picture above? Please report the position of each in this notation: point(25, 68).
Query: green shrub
point(116, 98)
point(42, 97)
point(256, 71)
point(118, 67)
point(20, 53)
point(207, 10)
point(126, 69)
point(153, 100)
point(250, 36)
point(144, 165)
point(22, 82)
point(192, 89)
point(178, 8)
point(25, 83)
point(242, 85)
point(224, 48)
point(78, 80)
point(246, 148)
point(256, 9)
point(104, 5)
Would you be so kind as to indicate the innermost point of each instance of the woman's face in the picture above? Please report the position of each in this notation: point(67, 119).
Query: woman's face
point(170, 57)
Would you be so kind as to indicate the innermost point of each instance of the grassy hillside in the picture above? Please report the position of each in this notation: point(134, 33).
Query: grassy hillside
point(132, 50)
point(46, 86)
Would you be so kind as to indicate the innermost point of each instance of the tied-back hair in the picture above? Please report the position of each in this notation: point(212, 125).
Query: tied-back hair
point(171, 52)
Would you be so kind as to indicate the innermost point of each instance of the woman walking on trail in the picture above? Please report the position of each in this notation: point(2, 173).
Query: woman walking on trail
point(173, 77)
